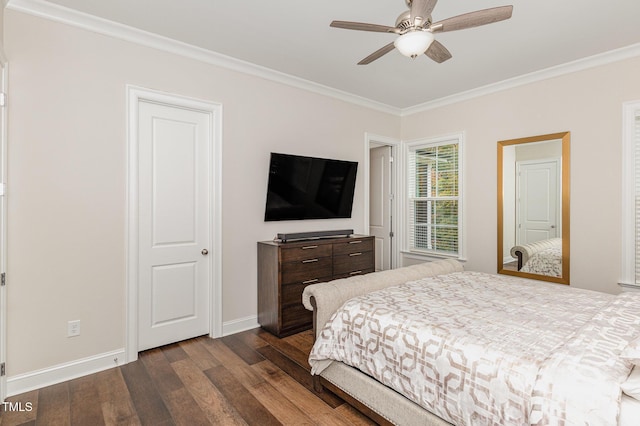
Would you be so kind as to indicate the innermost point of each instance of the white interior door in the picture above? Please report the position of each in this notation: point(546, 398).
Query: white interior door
point(538, 192)
point(380, 220)
point(174, 224)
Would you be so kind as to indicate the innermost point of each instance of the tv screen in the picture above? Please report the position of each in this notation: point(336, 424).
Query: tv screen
point(309, 188)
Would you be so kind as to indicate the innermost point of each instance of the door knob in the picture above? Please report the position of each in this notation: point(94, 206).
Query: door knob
point(204, 252)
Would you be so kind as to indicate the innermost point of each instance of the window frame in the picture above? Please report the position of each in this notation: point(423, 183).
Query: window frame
point(412, 146)
point(630, 174)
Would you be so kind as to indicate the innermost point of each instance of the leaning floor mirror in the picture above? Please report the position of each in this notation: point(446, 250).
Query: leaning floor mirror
point(533, 207)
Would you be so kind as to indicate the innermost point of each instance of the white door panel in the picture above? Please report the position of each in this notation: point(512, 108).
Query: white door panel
point(380, 204)
point(539, 190)
point(174, 217)
point(169, 302)
point(379, 253)
point(174, 187)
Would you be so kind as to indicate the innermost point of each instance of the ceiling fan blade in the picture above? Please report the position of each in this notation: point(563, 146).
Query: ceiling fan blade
point(377, 54)
point(438, 52)
point(361, 26)
point(473, 19)
point(421, 9)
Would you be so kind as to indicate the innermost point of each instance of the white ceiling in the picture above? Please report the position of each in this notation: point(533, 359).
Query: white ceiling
point(294, 37)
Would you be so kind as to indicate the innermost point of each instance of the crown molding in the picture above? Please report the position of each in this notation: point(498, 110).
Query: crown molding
point(54, 12)
point(545, 74)
point(57, 13)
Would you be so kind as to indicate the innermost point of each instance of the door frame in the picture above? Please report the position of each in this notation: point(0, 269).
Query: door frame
point(371, 141)
point(4, 65)
point(135, 95)
point(629, 172)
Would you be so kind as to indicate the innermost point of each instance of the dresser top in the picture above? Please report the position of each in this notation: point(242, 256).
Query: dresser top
point(328, 240)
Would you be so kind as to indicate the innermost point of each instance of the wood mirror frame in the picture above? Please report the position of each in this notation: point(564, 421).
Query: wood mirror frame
point(504, 267)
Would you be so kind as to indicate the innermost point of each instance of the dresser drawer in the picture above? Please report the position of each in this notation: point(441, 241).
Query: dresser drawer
point(296, 317)
point(307, 251)
point(305, 270)
point(292, 293)
point(354, 273)
point(355, 246)
point(352, 262)
point(286, 269)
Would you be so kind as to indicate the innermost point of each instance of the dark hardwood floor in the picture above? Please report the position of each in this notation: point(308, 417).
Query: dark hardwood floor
point(248, 378)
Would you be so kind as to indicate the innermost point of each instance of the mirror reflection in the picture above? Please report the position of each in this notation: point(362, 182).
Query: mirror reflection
point(533, 207)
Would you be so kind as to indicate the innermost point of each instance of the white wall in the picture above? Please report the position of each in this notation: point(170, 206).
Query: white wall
point(586, 103)
point(67, 177)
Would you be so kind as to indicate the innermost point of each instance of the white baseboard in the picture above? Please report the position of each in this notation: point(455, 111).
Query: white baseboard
point(239, 325)
point(60, 373)
point(26, 382)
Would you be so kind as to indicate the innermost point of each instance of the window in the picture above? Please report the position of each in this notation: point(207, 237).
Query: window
point(631, 196)
point(434, 197)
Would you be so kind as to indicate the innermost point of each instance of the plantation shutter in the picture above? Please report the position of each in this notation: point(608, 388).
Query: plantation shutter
point(433, 197)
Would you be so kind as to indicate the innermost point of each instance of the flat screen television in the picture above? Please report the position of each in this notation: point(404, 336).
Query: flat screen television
point(309, 188)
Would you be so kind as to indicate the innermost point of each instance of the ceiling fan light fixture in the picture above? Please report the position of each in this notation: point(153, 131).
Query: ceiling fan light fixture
point(414, 43)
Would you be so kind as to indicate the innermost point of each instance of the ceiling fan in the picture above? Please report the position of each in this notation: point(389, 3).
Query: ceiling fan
point(416, 29)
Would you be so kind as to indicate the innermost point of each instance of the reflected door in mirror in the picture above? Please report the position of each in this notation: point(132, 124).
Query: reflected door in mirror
point(533, 206)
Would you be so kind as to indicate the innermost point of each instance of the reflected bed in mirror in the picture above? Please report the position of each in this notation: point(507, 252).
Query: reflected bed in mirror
point(533, 207)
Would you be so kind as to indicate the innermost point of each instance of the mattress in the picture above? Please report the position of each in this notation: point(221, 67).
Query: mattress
point(477, 348)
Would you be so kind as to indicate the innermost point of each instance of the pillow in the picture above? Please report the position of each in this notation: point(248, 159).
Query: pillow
point(632, 352)
point(631, 386)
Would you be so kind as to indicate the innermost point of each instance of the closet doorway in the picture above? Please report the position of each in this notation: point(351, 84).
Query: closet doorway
point(381, 180)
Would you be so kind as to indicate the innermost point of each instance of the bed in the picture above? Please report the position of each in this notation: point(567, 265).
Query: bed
point(541, 257)
point(432, 344)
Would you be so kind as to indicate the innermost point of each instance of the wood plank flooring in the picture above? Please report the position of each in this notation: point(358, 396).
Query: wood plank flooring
point(249, 378)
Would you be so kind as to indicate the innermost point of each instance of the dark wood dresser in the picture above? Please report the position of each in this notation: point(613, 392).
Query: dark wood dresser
point(285, 269)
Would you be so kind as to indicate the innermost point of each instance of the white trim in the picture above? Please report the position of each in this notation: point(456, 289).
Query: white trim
point(627, 263)
point(54, 12)
point(605, 58)
point(134, 96)
point(98, 25)
point(460, 137)
point(428, 257)
point(239, 325)
point(629, 287)
point(37, 379)
point(3, 220)
point(71, 370)
point(370, 140)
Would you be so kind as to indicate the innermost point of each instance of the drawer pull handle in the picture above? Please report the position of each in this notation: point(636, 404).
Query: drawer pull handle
point(315, 280)
point(309, 260)
point(356, 254)
point(309, 247)
point(355, 242)
point(355, 272)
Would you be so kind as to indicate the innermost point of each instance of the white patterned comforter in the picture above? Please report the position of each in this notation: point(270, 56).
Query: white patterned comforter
point(480, 349)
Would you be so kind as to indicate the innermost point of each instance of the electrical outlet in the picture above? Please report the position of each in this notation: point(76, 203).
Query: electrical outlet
point(73, 328)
